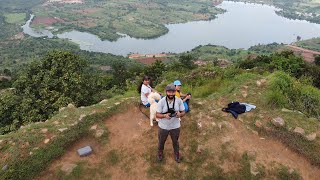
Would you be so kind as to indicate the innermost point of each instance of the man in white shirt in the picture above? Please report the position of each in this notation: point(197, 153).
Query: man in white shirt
point(169, 111)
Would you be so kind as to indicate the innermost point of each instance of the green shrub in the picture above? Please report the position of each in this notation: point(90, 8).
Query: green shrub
point(285, 91)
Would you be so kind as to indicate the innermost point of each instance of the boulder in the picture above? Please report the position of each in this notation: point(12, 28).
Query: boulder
point(299, 130)
point(68, 168)
point(311, 137)
point(278, 122)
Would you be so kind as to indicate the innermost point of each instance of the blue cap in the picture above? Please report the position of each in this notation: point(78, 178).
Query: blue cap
point(177, 83)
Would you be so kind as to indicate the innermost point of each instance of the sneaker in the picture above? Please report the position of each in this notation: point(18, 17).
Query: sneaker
point(160, 156)
point(177, 157)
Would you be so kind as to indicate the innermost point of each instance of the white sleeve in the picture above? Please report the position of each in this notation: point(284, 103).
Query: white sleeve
point(159, 107)
point(145, 89)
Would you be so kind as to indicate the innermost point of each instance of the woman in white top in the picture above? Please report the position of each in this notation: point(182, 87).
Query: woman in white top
point(145, 89)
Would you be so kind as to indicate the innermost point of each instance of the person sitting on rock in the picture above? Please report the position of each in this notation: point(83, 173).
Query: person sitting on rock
point(145, 89)
point(185, 97)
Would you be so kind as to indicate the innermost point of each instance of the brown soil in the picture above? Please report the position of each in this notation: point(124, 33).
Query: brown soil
point(131, 136)
point(48, 21)
point(308, 55)
point(268, 151)
point(128, 136)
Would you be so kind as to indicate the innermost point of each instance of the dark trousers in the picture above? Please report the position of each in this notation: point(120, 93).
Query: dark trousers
point(162, 137)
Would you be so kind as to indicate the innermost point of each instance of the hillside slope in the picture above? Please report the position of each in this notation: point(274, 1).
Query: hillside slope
point(213, 144)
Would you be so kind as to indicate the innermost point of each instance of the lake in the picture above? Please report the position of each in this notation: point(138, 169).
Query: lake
point(242, 26)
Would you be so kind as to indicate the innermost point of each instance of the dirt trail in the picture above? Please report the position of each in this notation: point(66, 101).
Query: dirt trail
point(129, 136)
point(308, 55)
point(135, 142)
point(268, 150)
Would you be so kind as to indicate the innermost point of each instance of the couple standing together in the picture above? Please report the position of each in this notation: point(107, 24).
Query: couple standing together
point(169, 110)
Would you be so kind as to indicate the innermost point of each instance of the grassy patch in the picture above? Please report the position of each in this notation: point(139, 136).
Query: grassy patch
point(15, 18)
point(113, 157)
point(28, 167)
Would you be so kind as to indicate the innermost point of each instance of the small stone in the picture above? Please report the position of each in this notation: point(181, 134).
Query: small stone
point(30, 153)
point(117, 103)
point(263, 81)
point(299, 130)
point(71, 106)
point(199, 125)
point(44, 130)
point(5, 167)
point(103, 101)
point(255, 132)
point(99, 133)
point(213, 124)
point(93, 112)
point(244, 94)
point(278, 122)
point(200, 149)
point(291, 171)
point(253, 168)
point(65, 116)
point(226, 139)
point(56, 122)
point(258, 124)
point(82, 116)
point(61, 109)
point(94, 127)
point(311, 137)
point(286, 110)
point(82, 107)
point(62, 129)
point(46, 141)
point(68, 168)
point(258, 83)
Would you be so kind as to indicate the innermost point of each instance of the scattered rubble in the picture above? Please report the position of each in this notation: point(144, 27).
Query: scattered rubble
point(278, 122)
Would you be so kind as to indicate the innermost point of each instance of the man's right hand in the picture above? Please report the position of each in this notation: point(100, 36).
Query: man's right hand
point(167, 116)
